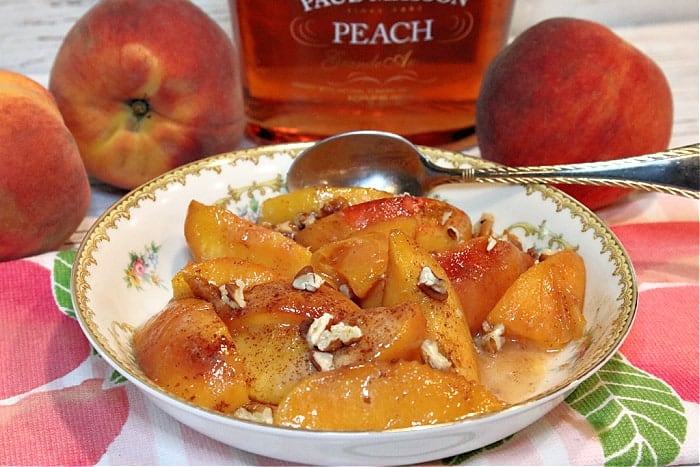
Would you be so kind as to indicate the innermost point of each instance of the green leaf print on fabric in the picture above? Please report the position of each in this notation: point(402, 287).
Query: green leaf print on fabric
point(462, 458)
point(60, 284)
point(639, 418)
point(117, 378)
point(60, 280)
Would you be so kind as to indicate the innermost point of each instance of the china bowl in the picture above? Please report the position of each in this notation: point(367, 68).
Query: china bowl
point(123, 268)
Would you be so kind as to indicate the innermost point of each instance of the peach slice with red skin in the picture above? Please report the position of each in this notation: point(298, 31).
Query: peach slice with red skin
point(445, 320)
point(481, 270)
point(433, 224)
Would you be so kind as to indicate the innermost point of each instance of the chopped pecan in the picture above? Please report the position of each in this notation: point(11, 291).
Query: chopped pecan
point(322, 361)
point(308, 280)
point(431, 285)
point(328, 337)
point(432, 356)
point(334, 205)
point(485, 225)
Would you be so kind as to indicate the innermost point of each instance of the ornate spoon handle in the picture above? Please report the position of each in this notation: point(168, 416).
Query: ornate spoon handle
point(674, 171)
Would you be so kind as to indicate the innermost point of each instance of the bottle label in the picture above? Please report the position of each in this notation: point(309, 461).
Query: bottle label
point(376, 51)
point(394, 24)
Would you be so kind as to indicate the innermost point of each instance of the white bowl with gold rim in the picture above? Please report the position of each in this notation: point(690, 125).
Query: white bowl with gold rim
point(122, 274)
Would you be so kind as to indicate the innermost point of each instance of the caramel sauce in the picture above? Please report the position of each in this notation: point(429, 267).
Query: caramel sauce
point(514, 373)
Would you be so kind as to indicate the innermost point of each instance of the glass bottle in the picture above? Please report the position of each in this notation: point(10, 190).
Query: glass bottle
point(314, 68)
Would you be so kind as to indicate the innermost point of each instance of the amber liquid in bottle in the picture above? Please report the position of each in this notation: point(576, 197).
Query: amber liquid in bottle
point(314, 68)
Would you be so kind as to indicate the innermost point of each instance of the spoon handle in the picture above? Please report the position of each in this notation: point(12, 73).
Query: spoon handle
point(674, 171)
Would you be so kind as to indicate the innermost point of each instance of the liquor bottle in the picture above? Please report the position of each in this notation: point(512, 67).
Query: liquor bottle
point(314, 68)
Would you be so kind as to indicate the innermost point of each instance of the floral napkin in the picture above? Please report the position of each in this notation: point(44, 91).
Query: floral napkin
point(60, 403)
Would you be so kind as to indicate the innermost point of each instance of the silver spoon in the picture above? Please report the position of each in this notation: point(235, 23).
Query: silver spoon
point(389, 162)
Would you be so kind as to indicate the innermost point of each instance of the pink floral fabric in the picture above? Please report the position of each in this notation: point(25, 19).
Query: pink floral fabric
point(664, 339)
point(55, 410)
point(59, 406)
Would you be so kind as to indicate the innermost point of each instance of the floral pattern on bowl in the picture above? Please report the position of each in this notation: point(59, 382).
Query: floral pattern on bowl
point(143, 268)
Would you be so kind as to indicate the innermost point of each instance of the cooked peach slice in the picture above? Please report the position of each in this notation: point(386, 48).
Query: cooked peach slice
point(481, 270)
point(219, 271)
point(188, 351)
point(283, 296)
point(545, 304)
point(382, 396)
point(267, 332)
point(388, 334)
point(375, 295)
point(434, 224)
point(274, 353)
point(414, 275)
point(286, 207)
point(213, 232)
point(357, 262)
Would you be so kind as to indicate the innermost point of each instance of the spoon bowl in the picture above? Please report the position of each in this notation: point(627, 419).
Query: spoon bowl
point(389, 162)
point(371, 159)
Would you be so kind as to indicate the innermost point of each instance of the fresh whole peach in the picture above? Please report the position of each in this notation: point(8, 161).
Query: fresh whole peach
point(569, 90)
point(146, 86)
point(44, 190)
